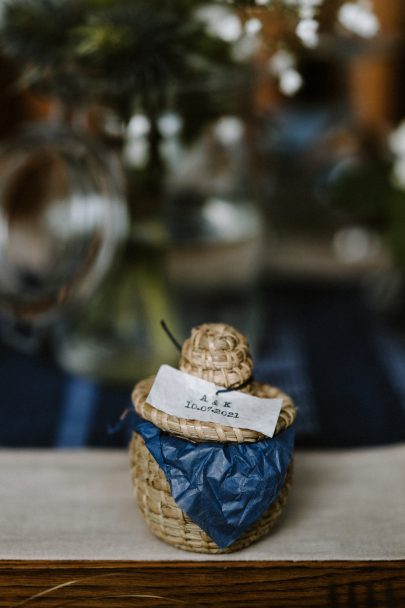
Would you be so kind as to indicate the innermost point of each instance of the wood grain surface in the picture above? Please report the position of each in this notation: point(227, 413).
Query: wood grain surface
point(222, 584)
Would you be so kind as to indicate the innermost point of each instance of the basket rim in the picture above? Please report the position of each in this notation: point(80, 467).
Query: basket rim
point(197, 430)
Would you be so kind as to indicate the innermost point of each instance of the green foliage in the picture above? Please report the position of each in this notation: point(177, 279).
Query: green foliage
point(37, 33)
point(361, 188)
point(113, 51)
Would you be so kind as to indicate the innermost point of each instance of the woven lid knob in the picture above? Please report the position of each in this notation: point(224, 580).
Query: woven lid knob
point(217, 353)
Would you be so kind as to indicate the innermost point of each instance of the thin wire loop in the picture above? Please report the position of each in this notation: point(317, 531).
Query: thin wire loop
point(170, 335)
point(235, 388)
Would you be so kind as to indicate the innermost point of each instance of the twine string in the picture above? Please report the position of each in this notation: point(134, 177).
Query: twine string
point(119, 424)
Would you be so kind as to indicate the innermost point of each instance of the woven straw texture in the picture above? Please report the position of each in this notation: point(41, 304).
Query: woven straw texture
point(168, 522)
point(211, 431)
point(217, 353)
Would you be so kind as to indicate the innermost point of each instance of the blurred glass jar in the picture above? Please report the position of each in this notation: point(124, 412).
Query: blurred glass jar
point(117, 337)
point(62, 217)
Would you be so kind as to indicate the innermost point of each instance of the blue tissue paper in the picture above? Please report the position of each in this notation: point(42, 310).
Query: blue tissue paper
point(223, 487)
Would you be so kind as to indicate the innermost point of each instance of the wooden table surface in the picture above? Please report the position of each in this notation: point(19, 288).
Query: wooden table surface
point(70, 535)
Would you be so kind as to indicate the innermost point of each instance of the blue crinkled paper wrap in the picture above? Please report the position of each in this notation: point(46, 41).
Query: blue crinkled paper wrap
point(223, 487)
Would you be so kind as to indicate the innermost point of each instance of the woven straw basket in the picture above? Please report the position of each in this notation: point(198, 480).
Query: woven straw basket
point(219, 354)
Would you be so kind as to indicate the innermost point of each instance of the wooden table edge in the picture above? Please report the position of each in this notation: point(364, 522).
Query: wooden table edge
point(240, 584)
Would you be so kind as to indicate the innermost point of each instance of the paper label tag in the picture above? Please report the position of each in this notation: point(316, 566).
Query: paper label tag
point(185, 396)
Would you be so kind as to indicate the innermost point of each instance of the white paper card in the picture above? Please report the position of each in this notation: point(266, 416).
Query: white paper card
point(185, 396)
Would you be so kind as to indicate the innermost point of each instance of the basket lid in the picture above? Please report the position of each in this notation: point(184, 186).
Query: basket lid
point(218, 353)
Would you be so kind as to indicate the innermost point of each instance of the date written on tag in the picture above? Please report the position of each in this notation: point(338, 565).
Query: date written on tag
point(185, 396)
